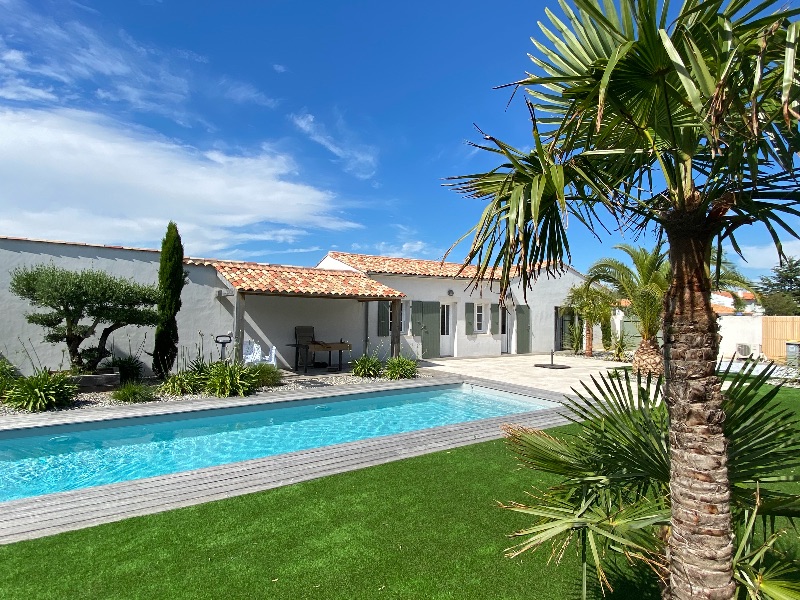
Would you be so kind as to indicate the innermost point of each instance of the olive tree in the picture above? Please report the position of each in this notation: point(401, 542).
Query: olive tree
point(77, 305)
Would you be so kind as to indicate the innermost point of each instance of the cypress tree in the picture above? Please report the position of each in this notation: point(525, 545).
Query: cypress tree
point(171, 279)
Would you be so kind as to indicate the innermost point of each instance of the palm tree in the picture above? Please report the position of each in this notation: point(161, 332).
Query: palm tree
point(643, 284)
point(703, 98)
point(593, 304)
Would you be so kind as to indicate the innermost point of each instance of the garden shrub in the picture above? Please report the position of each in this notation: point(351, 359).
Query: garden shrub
point(225, 379)
point(133, 391)
point(182, 383)
point(130, 368)
point(367, 366)
point(400, 367)
point(266, 375)
point(607, 334)
point(41, 391)
point(575, 337)
point(8, 374)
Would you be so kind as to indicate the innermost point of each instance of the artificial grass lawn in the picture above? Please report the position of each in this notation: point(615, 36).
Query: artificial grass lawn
point(425, 527)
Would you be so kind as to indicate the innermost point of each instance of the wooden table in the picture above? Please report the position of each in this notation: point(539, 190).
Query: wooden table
point(318, 347)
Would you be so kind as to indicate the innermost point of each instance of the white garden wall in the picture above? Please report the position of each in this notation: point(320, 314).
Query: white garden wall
point(739, 329)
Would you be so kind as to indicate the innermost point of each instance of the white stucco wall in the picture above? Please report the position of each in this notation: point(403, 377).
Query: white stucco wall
point(435, 289)
point(543, 296)
point(431, 289)
point(201, 312)
point(739, 329)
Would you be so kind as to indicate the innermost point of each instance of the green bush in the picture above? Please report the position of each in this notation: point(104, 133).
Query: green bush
point(266, 375)
point(400, 367)
point(130, 368)
point(575, 336)
point(41, 391)
point(225, 379)
point(607, 334)
point(367, 366)
point(8, 375)
point(619, 346)
point(182, 383)
point(134, 392)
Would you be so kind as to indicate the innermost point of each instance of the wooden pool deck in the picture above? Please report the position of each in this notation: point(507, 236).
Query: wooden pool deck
point(41, 516)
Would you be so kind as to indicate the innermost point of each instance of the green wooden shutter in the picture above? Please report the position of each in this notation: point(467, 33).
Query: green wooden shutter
point(469, 314)
point(495, 319)
point(416, 317)
point(383, 318)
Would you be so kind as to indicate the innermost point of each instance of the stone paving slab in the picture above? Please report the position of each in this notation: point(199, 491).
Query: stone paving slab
point(54, 513)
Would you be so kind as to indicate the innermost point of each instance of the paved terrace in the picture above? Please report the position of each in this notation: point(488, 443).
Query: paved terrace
point(55, 513)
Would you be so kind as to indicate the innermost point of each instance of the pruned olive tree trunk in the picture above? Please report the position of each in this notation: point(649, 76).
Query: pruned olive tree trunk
point(701, 542)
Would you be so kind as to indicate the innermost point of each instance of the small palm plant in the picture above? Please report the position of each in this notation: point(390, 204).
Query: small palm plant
point(614, 500)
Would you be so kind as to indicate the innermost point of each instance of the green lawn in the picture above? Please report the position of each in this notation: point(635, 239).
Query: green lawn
point(425, 527)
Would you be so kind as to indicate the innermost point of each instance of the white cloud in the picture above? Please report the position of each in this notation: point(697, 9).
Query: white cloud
point(12, 88)
point(358, 159)
point(407, 249)
point(72, 175)
point(244, 93)
point(279, 68)
point(763, 257)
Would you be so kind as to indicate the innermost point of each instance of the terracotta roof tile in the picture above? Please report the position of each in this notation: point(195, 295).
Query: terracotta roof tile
point(721, 309)
point(391, 265)
point(298, 281)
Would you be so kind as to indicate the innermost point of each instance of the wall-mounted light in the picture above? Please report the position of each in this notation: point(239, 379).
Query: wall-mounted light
point(450, 292)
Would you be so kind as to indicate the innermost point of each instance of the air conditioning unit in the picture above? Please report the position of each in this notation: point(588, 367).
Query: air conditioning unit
point(744, 350)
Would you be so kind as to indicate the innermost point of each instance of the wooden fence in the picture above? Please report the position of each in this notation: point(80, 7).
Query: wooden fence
point(775, 332)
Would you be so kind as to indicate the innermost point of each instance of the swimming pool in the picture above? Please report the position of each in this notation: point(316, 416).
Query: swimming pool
point(68, 457)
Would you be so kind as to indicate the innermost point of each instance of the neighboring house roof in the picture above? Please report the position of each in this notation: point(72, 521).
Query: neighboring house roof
point(721, 309)
point(391, 265)
point(743, 295)
point(282, 280)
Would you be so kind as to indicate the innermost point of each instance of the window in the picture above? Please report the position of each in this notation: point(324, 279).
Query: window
point(480, 321)
point(445, 319)
point(503, 320)
point(402, 320)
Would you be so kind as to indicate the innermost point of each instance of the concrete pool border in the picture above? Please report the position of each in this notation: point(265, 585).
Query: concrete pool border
point(41, 516)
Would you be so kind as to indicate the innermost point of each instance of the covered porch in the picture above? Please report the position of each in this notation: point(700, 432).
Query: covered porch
point(269, 301)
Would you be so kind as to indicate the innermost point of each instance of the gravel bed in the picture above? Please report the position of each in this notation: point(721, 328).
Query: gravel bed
point(90, 400)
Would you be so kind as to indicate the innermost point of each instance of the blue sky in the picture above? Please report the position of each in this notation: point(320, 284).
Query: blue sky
point(269, 130)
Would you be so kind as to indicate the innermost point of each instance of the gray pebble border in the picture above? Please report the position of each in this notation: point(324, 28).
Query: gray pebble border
point(291, 383)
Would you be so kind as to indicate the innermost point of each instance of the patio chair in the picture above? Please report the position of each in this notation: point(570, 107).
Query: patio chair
point(304, 334)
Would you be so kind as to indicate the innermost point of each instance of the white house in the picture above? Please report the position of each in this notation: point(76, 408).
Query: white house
point(449, 316)
point(346, 297)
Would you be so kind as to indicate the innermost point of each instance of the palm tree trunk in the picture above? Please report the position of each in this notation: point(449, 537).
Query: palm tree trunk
point(589, 339)
point(701, 544)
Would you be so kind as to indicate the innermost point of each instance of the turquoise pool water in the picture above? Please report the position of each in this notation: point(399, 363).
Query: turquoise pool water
point(69, 457)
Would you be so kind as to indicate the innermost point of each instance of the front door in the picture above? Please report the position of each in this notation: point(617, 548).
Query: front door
point(425, 323)
point(523, 319)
